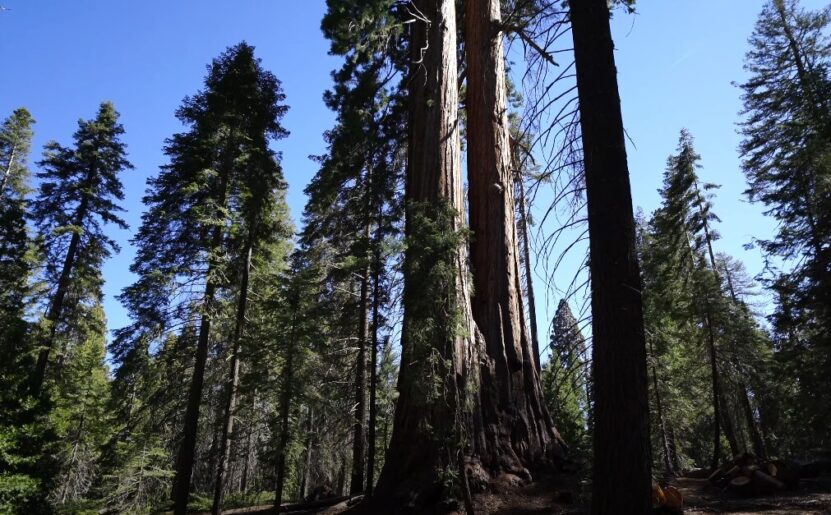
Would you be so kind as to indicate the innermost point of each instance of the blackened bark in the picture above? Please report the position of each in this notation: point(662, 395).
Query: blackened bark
point(233, 380)
point(622, 477)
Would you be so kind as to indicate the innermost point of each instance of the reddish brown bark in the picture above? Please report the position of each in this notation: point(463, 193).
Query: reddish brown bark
point(517, 432)
point(428, 432)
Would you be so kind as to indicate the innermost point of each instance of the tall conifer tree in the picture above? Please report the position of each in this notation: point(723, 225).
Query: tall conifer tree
point(79, 193)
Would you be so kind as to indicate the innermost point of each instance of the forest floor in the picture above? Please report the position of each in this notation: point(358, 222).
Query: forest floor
point(813, 497)
point(565, 495)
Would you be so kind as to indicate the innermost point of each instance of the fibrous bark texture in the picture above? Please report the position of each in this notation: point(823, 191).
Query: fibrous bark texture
point(439, 340)
point(517, 432)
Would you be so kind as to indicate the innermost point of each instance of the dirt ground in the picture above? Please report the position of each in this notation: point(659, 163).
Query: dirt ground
point(561, 495)
point(812, 498)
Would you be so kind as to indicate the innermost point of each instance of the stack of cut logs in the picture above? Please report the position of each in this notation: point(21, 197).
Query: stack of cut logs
point(745, 477)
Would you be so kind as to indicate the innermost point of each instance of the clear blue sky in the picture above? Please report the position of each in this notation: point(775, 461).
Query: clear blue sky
point(676, 61)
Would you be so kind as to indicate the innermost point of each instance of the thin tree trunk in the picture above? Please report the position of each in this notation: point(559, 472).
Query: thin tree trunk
point(517, 433)
point(285, 405)
point(711, 346)
point(7, 171)
point(187, 451)
point(78, 434)
point(660, 409)
point(529, 282)
point(755, 434)
point(373, 366)
point(729, 425)
point(307, 465)
point(243, 487)
point(356, 483)
point(56, 307)
point(622, 477)
point(233, 380)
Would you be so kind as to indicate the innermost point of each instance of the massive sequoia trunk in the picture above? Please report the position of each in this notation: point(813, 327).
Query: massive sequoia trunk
point(439, 337)
point(517, 432)
point(622, 469)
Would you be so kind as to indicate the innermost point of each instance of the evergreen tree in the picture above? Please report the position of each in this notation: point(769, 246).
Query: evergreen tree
point(15, 247)
point(78, 194)
point(787, 162)
point(212, 203)
point(26, 433)
point(357, 186)
point(695, 314)
point(81, 415)
point(682, 224)
point(566, 379)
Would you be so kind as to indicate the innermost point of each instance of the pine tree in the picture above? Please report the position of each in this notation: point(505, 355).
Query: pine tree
point(26, 433)
point(81, 413)
point(356, 186)
point(15, 246)
point(263, 230)
point(695, 314)
point(566, 379)
point(15, 145)
point(219, 170)
point(683, 222)
point(786, 159)
point(78, 194)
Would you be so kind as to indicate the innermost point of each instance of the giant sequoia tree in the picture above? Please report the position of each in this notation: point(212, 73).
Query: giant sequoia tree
point(439, 338)
point(622, 474)
point(480, 405)
point(511, 391)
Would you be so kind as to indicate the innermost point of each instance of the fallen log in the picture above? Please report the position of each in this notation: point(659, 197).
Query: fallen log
point(764, 483)
point(741, 485)
point(313, 505)
point(697, 473)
